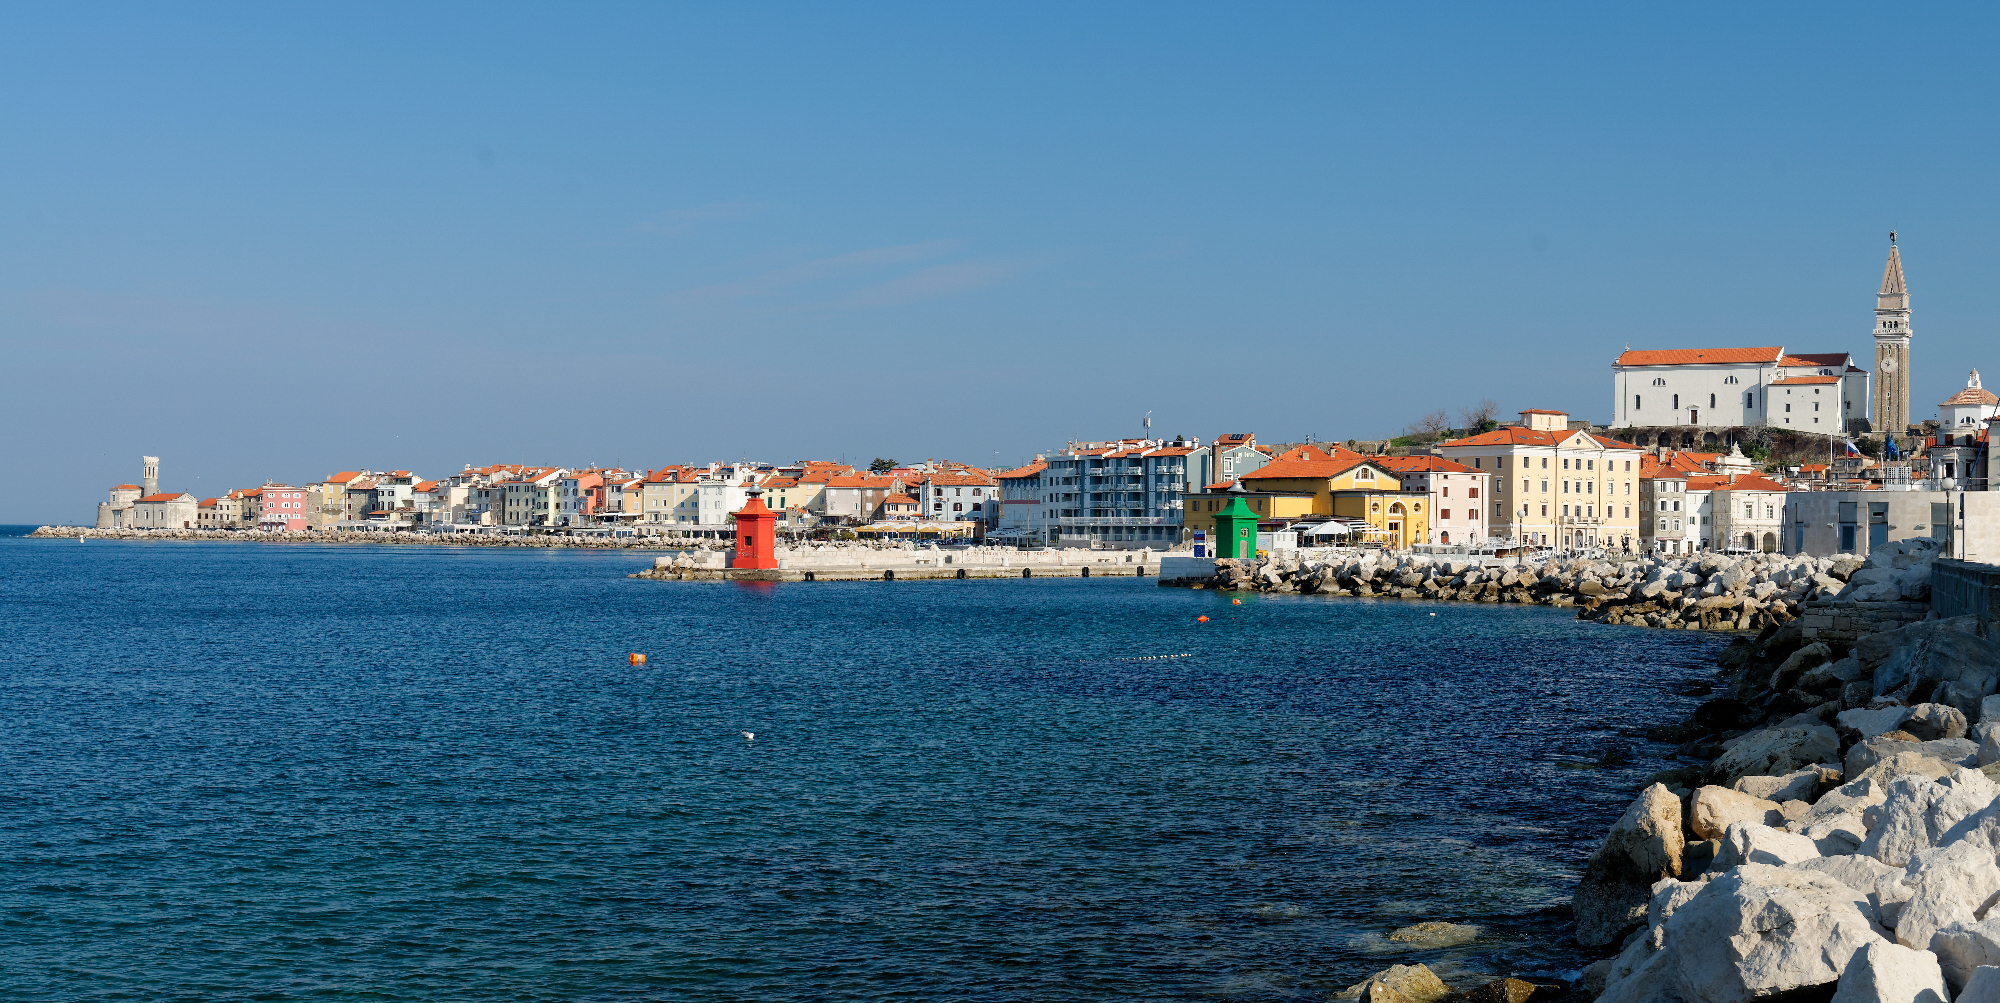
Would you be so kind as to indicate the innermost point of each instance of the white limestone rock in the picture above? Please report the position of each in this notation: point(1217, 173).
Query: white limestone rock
point(1987, 734)
point(1757, 931)
point(1715, 809)
point(1751, 843)
point(1796, 786)
point(1954, 884)
point(1863, 874)
point(1982, 987)
point(1868, 722)
point(1899, 826)
point(1963, 947)
point(1778, 751)
point(1643, 846)
point(1881, 972)
point(1989, 708)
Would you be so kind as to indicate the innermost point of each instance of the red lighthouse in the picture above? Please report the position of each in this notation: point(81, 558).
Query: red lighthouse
point(756, 534)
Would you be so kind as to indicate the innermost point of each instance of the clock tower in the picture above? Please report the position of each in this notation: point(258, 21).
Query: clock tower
point(1892, 347)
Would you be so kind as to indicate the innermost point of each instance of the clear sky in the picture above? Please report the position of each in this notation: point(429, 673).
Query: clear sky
point(273, 241)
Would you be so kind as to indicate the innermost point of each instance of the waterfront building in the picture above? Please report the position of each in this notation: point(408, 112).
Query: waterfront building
point(1458, 496)
point(1315, 483)
point(1891, 412)
point(207, 514)
point(1747, 511)
point(898, 507)
point(527, 497)
point(1124, 494)
point(116, 512)
point(1230, 456)
point(957, 493)
point(281, 508)
point(670, 496)
point(324, 504)
point(1663, 508)
point(164, 511)
point(1021, 510)
point(1555, 486)
point(1831, 523)
point(854, 498)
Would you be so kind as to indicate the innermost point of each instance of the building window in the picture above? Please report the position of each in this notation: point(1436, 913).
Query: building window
point(1659, 381)
point(1677, 402)
point(1444, 513)
point(1635, 402)
point(1470, 492)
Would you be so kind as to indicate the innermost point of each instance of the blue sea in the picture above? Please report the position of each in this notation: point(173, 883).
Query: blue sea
point(266, 772)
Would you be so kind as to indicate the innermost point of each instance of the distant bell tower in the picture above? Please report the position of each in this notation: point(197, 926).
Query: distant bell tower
point(1892, 347)
point(149, 477)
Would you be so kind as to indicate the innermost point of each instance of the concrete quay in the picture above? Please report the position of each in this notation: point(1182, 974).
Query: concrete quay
point(850, 565)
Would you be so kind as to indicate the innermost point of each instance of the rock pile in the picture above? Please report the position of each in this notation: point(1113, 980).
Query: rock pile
point(1842, 840)
point(1708, 591)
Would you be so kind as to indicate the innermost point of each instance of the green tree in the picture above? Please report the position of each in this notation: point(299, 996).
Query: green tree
point(881, 466)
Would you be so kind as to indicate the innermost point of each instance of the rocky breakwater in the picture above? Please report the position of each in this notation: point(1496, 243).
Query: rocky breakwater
point(1838, 837)
point(1708, 592)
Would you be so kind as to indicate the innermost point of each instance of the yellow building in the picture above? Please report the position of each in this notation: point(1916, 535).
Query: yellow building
point(1324, 481)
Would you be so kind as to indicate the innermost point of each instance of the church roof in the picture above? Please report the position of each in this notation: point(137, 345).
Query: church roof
point(1799, 381)
point(1701, 356)
point(1972, 394)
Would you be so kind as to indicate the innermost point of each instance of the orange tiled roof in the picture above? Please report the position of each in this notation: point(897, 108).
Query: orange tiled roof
point(898, 499)
point(1423, 464)
point(1700, 356)
point(344, 476)
point(1515, 435)
point(126, 487)
point(1532, 410)
point(165, 497)
point(860, 481)
point(1027, 471)
point(207, 503)
point(1329, 467)
point(960, 477)
point(1971, 395)
point(1802, 381)
point(425, 485)
point(1816, 359)
point(1741, 482)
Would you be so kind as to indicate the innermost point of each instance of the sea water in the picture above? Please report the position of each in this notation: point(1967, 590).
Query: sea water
point(243, 771)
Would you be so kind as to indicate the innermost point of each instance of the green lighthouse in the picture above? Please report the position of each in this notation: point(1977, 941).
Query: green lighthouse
point(1236, 530)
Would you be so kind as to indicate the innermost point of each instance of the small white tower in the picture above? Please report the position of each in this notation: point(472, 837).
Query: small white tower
point(149, 477)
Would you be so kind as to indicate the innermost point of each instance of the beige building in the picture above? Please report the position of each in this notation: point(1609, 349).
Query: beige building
point(1554, 486)
point(326, 503)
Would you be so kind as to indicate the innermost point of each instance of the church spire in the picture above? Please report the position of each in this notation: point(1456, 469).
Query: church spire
point(1895, 295)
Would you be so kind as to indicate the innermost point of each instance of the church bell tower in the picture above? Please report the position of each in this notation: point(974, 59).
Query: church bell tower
point(1892, 347)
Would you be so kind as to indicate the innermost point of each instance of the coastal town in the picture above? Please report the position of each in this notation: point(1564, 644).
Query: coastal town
point(1771, 449)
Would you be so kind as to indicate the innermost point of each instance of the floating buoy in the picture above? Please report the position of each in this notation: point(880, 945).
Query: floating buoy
point(1235, 602)
point(1433, 614)
point(636, 659)
point(1201, 619)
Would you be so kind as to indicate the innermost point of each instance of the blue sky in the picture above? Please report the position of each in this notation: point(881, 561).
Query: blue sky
point(274, 241)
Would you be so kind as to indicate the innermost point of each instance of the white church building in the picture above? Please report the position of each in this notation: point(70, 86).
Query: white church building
point(1714, 388)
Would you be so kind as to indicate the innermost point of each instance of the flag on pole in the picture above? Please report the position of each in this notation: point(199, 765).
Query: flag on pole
point(1852, 449)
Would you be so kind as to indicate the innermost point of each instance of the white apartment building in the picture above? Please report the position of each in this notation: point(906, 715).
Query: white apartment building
point(1747, 511)
point(1713, 388)
point(1117, 495)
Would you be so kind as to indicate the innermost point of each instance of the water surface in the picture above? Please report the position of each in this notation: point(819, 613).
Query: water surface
point(237, 771)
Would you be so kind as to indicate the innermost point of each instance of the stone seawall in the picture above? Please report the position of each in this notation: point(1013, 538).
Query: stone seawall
point(1834, 832)
point(1708, 592)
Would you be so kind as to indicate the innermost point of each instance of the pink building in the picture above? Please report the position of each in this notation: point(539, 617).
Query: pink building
point(284, 507)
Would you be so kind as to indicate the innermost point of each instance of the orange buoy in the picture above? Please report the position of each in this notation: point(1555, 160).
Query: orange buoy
point(1235, 602)
point(1201, 619)
point(636, 659)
